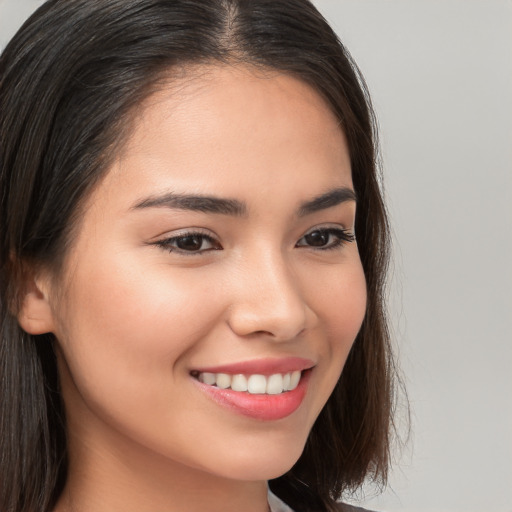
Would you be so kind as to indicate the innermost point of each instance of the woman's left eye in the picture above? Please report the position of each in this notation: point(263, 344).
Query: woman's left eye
point(326, 238)
point(190, 243)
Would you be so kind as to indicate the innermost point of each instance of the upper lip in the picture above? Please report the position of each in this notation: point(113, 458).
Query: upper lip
point(268, 366)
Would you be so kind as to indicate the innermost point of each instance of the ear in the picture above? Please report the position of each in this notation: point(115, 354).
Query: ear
point(35, 314)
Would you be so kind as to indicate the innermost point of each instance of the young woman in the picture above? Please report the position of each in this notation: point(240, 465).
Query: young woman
point(193, 248)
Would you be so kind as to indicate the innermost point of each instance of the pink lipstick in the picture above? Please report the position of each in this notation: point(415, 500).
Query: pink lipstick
point(265, 389)
point(261, 366)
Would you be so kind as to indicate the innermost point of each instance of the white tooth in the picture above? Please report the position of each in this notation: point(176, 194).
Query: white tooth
point(239, 383)
point(223, 380)
point(294, 380)
point(207, 378)
point(286, 381)
point(275, 384)
point(257, 384)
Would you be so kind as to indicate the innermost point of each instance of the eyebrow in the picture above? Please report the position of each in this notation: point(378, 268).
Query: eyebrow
point(234, 207)
point(198, 203)
point(327, 200)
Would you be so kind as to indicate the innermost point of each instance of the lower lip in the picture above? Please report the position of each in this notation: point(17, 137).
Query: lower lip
point(261, 407)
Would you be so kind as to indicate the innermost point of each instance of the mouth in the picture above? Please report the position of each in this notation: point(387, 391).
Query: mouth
point(256, 384)
point(263, 390)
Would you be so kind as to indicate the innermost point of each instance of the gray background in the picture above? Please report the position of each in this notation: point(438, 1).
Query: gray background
point(440, 72)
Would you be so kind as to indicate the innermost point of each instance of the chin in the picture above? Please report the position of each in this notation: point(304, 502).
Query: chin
point(266, 463)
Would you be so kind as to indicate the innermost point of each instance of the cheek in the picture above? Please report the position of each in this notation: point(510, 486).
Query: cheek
point(125, 340)
point(127, 299)
point(128, 330)
point(340, 306)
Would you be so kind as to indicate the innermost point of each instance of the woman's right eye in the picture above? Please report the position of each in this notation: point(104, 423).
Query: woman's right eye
point(190, 243)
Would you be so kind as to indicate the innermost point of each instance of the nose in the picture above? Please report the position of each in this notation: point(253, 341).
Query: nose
point(267, 300)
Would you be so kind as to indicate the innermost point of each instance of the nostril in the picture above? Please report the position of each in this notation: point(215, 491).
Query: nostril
point(263, 333)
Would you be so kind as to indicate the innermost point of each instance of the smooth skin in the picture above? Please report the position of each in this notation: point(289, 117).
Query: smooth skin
point(141, 303)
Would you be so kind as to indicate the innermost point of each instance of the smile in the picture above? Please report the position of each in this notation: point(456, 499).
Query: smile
point(268, 389)
point(274, 384)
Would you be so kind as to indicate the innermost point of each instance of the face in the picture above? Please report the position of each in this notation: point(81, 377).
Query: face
point(214, 289)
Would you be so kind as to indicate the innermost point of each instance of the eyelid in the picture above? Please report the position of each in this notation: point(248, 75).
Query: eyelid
point(328, 227)
point(177, 233)
point(344, 236)
point(166, 242)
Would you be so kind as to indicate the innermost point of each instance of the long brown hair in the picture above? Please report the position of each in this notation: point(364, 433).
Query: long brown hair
point(69, 81)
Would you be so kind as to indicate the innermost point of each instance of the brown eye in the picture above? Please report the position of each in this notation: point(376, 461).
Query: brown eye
point(317, 238)
point(190, 243)
point(324, 239)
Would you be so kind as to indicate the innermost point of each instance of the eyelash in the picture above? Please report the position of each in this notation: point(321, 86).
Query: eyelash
point(167, 243)
point(343, 236)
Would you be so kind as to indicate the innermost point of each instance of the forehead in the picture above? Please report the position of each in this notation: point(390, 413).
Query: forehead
point(217, 127)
